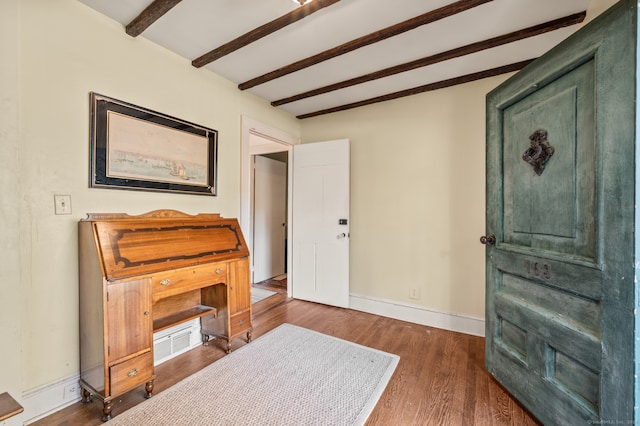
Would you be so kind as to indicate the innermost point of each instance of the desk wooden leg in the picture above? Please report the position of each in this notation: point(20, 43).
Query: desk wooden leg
point(106, 410)
point(86, 396)
point(148, 389)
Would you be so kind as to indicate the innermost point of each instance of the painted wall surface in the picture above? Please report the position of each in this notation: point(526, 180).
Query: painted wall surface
point(10, 288)
point(596, 7)
point(66, 51)
point(417, 196)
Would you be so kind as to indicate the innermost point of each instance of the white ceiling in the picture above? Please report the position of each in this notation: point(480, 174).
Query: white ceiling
point(195, 27)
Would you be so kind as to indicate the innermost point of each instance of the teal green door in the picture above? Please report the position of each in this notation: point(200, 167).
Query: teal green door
point(560, 227)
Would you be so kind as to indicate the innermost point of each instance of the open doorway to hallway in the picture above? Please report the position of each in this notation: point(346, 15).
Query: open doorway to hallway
point(269, 218)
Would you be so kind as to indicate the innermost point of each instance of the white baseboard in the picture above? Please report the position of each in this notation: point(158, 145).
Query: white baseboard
point(40, 402)
point(418, 314)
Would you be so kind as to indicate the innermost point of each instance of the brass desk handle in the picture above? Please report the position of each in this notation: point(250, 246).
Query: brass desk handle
point(132, 372)
point(166, 281)
point(218, 271)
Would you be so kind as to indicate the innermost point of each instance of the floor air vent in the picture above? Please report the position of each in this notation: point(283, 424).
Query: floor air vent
point(172, 342)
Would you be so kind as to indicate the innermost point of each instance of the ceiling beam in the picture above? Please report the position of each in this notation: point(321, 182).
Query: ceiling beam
point(149, 15)
point(374, 37)
point(426, 88)
point(262, 31)
point(443, 56)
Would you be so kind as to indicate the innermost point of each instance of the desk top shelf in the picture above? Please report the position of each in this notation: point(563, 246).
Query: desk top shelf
point(9, 407)
point(182, 316)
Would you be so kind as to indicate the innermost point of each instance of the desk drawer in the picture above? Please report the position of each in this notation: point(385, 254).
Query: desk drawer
point(182, 280)
point(131, 373)
point(240, 322)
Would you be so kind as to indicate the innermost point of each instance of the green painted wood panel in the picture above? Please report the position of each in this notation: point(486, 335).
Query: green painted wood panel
point(551, 211)
point(560, 277)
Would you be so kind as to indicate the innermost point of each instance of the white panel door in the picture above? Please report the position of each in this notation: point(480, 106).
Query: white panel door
point(321, 222)
point(269, 219)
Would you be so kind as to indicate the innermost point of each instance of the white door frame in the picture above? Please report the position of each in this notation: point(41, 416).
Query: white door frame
point(282, 141)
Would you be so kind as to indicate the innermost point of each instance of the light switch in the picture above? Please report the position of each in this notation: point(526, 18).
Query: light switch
point(62, 203)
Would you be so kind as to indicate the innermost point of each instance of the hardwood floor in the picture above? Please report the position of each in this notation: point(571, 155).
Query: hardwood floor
point(440, 380)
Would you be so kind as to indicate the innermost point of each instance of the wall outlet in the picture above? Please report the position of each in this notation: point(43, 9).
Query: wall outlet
point(414, 293)
point(71, 392)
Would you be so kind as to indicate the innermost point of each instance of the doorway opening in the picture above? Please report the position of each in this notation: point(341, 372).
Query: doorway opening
point(269, 217)
point(270, 149)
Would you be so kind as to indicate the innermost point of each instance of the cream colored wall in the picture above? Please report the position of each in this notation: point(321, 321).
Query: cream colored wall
point(66, 51)
point(596, 7)
point(417, 196)
point(10, 289)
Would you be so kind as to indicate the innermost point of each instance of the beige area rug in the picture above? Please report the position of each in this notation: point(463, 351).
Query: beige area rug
point(258, 294)
point(289, 376)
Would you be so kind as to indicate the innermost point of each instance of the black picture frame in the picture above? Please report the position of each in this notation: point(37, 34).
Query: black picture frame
point(139, 149)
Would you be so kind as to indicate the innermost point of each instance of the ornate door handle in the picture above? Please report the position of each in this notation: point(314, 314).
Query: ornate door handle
point(488, 239)
point(539, 152)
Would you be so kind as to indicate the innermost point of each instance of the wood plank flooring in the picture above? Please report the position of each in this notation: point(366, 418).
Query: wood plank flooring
point(440, 380)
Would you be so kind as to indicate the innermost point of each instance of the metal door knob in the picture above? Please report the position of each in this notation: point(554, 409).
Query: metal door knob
point(488, 239)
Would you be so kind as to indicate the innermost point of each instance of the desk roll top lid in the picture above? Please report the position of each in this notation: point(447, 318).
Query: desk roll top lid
point(142, 274)
point(162, 240)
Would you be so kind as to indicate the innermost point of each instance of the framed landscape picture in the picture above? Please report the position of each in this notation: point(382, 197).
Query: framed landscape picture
point(136, 148)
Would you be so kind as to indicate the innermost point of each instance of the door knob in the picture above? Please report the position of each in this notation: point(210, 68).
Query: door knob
point(488, 239)
point(341, 236)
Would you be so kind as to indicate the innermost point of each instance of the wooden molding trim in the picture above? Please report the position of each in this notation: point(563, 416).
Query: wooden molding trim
point(425, 88)
point(167, 214)
point(262, 31)
point(474, 326)
point(374, 37)
point(443, 56)
point(149, 15)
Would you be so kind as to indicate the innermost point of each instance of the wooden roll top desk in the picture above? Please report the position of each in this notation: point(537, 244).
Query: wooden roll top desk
point(142, 274)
